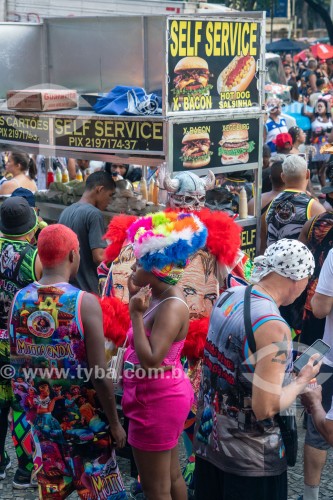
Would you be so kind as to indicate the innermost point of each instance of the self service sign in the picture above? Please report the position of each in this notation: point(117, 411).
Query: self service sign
point(212, 65)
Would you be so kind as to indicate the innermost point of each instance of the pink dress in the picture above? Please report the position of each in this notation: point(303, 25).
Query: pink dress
point(156, 407)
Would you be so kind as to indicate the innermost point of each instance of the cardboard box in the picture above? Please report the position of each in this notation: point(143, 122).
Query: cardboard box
point(42, 99)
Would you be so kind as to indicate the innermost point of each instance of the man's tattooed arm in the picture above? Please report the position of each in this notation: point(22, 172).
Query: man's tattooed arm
point(281, 356)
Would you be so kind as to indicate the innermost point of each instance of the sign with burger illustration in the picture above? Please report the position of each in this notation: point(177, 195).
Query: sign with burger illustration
point(192, 78)
point(213, 64)
point(195, 150)
point(235, 146)
point(213, 144)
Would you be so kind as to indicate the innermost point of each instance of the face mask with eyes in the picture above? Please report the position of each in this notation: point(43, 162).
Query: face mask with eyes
point(187, 201)
point(187, 190)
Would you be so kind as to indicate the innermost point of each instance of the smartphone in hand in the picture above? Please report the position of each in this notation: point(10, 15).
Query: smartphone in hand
point(318, 347)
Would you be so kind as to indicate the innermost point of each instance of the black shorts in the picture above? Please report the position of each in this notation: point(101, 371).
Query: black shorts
point(312, 436)
point(213, 484)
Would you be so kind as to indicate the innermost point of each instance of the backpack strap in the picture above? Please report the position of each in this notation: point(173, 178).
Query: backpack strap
point(247, 319)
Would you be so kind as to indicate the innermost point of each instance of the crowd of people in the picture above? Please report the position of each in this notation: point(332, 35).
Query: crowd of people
point(198, 336)
point(311, 86)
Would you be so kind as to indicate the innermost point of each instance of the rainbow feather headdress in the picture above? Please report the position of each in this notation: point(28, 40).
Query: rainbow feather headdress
point(166, 239)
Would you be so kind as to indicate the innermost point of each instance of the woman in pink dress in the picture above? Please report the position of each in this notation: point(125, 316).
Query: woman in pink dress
point(157, 393)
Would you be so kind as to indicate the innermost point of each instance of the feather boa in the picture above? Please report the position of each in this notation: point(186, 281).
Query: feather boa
point(117, 234)
point(116, 322)
point(224, 238)
point(196, 338)
point(116, 319)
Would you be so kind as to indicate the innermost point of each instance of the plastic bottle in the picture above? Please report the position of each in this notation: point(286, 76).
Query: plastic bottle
point(78, 176)
point(243, 213)
point(151, 190)
point(143, 189)
point(65, 176)
point(155, 193)
point(49, 177)
point(58, 174)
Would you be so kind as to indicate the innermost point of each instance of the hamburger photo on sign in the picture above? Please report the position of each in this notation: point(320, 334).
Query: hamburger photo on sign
point(235, 145)
point(192, 78)
point(195, 150)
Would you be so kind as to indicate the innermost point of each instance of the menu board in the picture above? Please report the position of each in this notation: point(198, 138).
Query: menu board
point(212, 65)
point(25, 129)
point(115, 135)
point(215, 144)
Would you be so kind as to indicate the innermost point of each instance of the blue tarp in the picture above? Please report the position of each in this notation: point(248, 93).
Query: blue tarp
point(295, 110)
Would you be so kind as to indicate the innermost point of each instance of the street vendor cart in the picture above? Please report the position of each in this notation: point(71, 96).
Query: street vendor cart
point(94, 55)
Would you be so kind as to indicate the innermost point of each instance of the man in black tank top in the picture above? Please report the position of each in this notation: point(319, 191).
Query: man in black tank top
point(277, 186)
point(290, 210)
point(286, 216)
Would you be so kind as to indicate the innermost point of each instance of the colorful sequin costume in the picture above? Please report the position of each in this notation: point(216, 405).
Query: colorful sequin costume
point(71, 438)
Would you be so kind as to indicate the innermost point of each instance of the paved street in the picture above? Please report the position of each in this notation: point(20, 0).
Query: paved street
point(295, 476)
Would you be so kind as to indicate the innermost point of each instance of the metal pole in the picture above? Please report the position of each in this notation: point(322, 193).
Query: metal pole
point(272, 17)
point(295, 18)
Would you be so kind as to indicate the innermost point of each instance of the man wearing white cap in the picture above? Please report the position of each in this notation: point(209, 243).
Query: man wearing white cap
point(275, 124)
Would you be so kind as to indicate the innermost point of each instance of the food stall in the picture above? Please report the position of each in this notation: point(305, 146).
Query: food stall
point(209, 70)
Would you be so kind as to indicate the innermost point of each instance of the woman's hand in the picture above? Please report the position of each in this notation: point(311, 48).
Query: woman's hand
point(311, 397)
point(132, 289)
point(118, 434)
point(141, 300)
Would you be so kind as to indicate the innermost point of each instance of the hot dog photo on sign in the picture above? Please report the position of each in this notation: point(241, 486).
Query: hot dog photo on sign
point(212, 65)
point(238, 75)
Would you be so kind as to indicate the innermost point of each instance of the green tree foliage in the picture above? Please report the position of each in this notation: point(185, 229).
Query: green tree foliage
point(318, 8)
point(323, 11)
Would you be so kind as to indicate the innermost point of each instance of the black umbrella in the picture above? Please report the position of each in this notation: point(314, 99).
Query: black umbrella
point(286, 45)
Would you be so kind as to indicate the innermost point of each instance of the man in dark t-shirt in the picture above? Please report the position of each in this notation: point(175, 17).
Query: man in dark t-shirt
point(85, 218)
